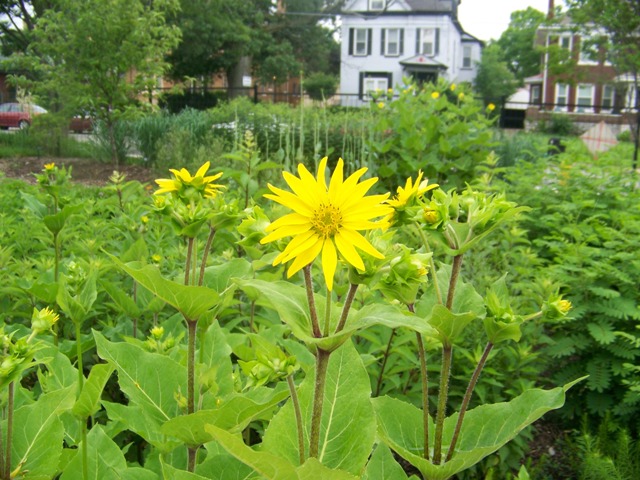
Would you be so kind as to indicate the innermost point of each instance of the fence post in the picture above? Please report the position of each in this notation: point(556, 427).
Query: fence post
point(255, 93)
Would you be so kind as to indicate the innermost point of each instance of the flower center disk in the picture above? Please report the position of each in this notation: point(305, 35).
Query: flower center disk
point(327, 220)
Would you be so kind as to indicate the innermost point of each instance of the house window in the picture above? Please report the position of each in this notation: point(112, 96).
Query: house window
point(427, 38)
point(392, 39)
point(374, 83)
point(585, 98)
point(588, 52)
point(562, 95)
point(466, 56)
point(376, 4)
point(565, 42)
point(360, 42)
point(608, 93)
point(535, 95)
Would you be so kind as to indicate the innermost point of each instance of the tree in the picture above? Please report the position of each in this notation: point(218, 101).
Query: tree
point(17, 21)
point(517, 43)
point(619, 21)
point(494, 81)
point(99, 56)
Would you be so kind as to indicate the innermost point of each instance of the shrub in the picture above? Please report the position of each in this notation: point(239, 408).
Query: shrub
point(557, 124)
point(320, 86)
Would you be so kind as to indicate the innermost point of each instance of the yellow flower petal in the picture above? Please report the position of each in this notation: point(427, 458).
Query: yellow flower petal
point(349, 253)
point(329, 262)
point(305, 258)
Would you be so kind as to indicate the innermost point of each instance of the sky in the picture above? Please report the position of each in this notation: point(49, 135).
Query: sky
point(487, 19)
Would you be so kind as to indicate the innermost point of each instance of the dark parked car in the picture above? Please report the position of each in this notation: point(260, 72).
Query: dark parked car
point(18, 115)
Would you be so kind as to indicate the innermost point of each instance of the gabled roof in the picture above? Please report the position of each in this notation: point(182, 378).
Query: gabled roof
point(423, 61)
point(431, 5)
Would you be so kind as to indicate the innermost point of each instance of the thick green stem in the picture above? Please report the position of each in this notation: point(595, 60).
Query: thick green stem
point(56, 274)
point(353, 288)
point(455, 271)
point(312, 302)
point(191, 382)
point(384, 363)
point(322, 363)
point(7, 457)
point(298, 413)
point(447, 351)
point(205, 254)
point(327, 314)
point(83, 421)
point(425, 394)
point(187, 268)
point(467, 398)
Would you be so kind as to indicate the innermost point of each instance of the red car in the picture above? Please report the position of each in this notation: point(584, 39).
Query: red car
point(18, 115)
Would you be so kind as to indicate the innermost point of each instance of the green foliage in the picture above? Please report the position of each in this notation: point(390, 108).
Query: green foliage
point(557, 125)
point(439, 129)
point(320, 86)
point(495, 81)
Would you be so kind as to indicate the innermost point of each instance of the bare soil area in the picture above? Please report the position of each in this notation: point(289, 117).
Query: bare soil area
point(84, 170)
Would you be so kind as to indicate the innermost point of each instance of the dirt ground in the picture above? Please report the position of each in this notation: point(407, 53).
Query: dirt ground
point(85, 171)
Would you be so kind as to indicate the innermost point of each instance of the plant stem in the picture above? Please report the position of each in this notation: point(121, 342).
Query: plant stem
point(443, 394)
point(187, 268)
point(348, 302)
point(56, 275)
point(191, 376)
point(312, 302)
point(205, 254)
point(455, 271)
point(7, 458)
point(467, 398)
point(322, 362)
point(327, 314)
point(425, 393)
point(384, 363)
point(298, 413)
point(83, 421)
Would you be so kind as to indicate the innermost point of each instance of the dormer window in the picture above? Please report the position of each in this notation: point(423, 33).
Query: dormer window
point(376, 4)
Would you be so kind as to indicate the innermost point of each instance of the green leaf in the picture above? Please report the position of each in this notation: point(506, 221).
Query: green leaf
point(449, 326)
point(55, 223)
point(172, 473)
point(312, 469)
point(191, 301)
point(498, 331)
point(219, 277)
point(383, 466)
point(603, 332)
point(105, 461)
point(60, 373)
point(149, 380)
point(347, 429)
point(35, 205)
point(233, 415)
point(485, 428)
point(138, 251)
point(38, 434)
point(88, 402)
point(271, 467)
point(122, 299)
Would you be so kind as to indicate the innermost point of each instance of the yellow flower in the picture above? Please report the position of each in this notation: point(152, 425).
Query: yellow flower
point(410, 191)
point(460, 96)
point(183, 180)
point(325, 219)
point(453, 87)
point(381, 105)
point(49, 166)
point(144, 219)
point(43, 320)
point(156, 258)
point(435, 95)
point(565, 306)
point(491, 107)
point(157, 332)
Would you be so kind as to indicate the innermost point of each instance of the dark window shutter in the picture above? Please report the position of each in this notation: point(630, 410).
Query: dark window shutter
point(382, 36)
point(390, 80)
point(437, 50)
point(351, 33)
point(418, 52)
point(369, 37)
point(361, 85)
point(401, 48)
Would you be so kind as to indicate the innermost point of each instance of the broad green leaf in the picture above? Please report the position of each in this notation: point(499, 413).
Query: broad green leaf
point(225, 467)
point(38, 434)
point(77, 307)
point(138, 251)
point(312, 469)
point(449, 326)
point(485, 428)
point(55, 223)
point(214, 365)
point(383, 466)
point(35, 205)
point(172, 473)
point(59, 374)
point(234, 414)
point(271, 467)
point(149, 380)
point(191, 301)
point(122, 299)
point(348, 427)
point(219, 277)
point(105, 461)
point(88, 402)
point(498, 331)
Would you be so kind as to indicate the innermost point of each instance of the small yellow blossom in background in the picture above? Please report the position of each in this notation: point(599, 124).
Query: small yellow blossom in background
point(491, 107)
point(49, 166)
point(453, 87)
point(156, 258)
point(183, 181)
point(430, 216)
point(381, 105)
point(43, 320)
point(157, 332)
point(410, 191)
point(390, 90)
point(325, 220)
point(565, 306)
point(461, 96)
point(144, 219)
point(435, 95)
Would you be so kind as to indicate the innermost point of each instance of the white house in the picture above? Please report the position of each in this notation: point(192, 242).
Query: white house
point(386, 40)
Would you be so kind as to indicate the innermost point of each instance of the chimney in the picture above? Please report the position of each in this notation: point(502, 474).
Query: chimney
point(551, 10)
